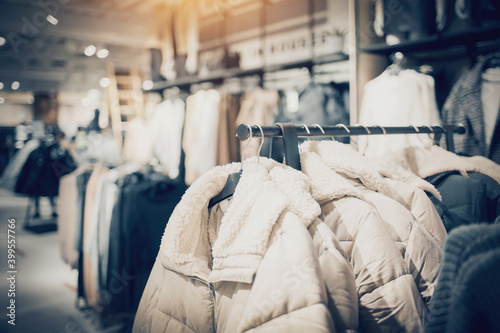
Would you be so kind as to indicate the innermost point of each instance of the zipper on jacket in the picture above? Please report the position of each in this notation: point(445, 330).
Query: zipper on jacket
point(212, 295)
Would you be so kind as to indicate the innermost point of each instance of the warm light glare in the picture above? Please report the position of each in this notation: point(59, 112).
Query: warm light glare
point(147, 85)
point(52, 20)
point(15, 85)
point(2, 41)
point(90, 50)
point(1, 85)
point(103, 53)
point(2, 100)
point(85, 101)
point(104, 82)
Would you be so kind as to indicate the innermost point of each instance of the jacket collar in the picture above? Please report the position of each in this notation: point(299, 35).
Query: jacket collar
point(342, 158)
point(264, 192)
point(325, 183)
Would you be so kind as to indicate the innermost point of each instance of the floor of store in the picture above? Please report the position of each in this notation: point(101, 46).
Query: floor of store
point(45, 287)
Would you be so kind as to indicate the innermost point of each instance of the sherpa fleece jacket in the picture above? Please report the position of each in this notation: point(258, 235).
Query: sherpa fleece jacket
point(260, 261)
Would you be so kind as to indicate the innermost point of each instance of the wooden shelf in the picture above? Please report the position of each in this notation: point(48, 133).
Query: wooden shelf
point(439, 41)
point(218, 76)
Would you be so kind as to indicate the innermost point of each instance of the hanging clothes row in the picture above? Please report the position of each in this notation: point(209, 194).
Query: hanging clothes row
point(190, 134)
point(110, 226)
point(344, 242)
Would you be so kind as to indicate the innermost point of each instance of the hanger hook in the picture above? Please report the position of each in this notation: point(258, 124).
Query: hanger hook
point(307, 130)
point(383, 129)
point(246, 145)
point(261, 143)
point(366, 128)
point(320, 128)
point(344, 126)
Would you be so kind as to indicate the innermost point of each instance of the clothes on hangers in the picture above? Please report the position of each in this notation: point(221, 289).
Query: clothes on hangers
point(465, 105)
point(241, 276)
point(200, 133)
point(166, 126)
point(43, 170)
point(221, 256)
point(469, 186)
point(405, 99)
point(11, 173)
point(138, 142)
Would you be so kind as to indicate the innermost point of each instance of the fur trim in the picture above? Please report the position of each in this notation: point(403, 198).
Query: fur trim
point(428, 162)
point(486, 166)
point(325, 183)
point(264, 192)
point(389, 169)
point(344, 159)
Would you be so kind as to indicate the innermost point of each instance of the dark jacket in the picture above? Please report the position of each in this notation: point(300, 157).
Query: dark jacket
point(468, 200)
point(43, 170)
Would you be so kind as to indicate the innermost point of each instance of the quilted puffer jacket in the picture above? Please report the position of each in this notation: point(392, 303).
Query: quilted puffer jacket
point(421, 252)
point(388, 296)
point(260, 261)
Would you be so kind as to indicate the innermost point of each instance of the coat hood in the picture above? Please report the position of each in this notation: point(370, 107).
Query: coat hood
point(266, 190)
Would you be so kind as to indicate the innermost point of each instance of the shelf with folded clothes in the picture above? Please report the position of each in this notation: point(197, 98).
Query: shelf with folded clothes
point(221, 74)
point(438, 41)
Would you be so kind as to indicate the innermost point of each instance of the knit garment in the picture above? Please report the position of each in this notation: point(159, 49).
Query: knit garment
point(461, 244)
point(477, 306)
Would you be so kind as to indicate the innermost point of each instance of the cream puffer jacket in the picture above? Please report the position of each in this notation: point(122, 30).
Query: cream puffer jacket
point(265, 263)
point(389, 300)
point(421, 252)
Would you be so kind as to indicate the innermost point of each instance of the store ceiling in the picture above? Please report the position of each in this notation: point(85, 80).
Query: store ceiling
point(44, 57)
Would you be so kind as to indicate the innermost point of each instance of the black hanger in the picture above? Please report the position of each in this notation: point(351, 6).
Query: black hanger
point(291, 143)
point(234, 178)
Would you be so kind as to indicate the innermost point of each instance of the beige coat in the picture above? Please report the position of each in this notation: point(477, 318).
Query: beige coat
point(420, 250)
point(265, 263)
point(389, 300)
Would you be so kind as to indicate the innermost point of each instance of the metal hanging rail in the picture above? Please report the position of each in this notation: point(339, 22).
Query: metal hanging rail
point(243, 132)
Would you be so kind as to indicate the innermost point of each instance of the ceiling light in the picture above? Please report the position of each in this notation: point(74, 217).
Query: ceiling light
point(1, 85)
point(85, 101)
point(89, 50)
point(104, 82)
point(52, 20)
point(102, 53)
point(147, 85)
point(2, 41)
point(15, 85)
point(2, 100)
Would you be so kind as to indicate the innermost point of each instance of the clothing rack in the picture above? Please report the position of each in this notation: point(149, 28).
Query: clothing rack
point(289, 132)
point(243, 132)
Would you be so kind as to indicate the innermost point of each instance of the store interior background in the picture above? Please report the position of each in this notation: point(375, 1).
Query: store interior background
point(60, 60)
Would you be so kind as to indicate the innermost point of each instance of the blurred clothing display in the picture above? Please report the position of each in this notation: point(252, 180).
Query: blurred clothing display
point(166, 124)
point(405, 99)
point(201, 133)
